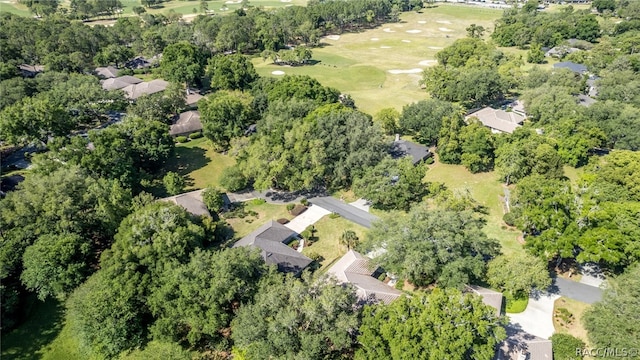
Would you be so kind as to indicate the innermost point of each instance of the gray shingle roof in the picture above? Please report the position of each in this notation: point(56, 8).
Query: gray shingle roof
point(522, 345)
point(270, 238)
point(134, 91)
point(401, 148)
point(191, 201)
point(120, 82)
point(354, 268)
point(498, 120)
point(489, 297)
point(578, 68)
point(188, 122)
point(107, 72)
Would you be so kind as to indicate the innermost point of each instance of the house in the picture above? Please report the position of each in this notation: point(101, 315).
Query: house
point(560, 51)
point(272, 238)
point(120, 82)
point(134, 91)
point(30, 70)
point(489, 297)
point(520, 345)
point(191, 201)
point(355, 269)
point(402, 148)
point(193, 98)
point(107, 72)
point(188, 122)
point(576, 68)
point(592, 86)
point(499, 121)
point(518, 108)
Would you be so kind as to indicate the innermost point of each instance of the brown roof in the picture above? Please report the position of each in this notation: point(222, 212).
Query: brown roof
point(191, 201)
point(193, 98)
point(188, 122)
point(107, 72)
point(499, 120)
point(489, 297)
point(521, 345)
point(134, 91)
point(354, 268)
point(120, 82)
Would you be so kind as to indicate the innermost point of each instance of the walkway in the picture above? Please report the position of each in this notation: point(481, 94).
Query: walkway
point(345, 210)
point(537, 318)
point(312, 215)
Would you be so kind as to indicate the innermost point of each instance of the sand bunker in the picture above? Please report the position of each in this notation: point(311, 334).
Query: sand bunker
point(414, 31)
point(385, 47)
point(333, 37)
point(410, 71)
point(422, 22)
point(374, 39)
point(406, 41)
point(435, 48)
point(444, 22)
point(277, 72)
point(233, 2)
point(285, 0)
point(428, 62)
point(388, 30)
point(445, 29)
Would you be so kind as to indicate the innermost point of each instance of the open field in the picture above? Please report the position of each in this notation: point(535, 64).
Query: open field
point(265, 212)
point(576, 327)
point(381, 67)
point(328, 243)
point(485, 188)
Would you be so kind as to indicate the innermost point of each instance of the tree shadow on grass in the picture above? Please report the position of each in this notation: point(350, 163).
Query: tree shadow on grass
point(43, 323)
point(186, 160)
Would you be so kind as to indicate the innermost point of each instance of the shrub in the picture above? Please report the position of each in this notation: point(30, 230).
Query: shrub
point(334, 215)
point(290, 207)
point(399, 284)
point(509, 219)
point(298, 209)
point(564, 347)
point(282, 221)
point(173, 183)
point(181, 139)
point(315, 256)
point(304, 201)
point(294, 244)
point(213, 199)
point(382, 276)
point(306, 234)
point(429, 161)
point(233, 179)
point(124, 72)
point(195, 135)
point(258, 201)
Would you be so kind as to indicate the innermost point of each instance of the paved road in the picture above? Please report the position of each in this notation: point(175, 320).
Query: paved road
point(345, 210)
point(577, 291)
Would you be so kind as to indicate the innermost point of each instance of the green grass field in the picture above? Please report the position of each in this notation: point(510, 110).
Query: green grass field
point(328, 243)
point(485, 188)
point(265, 211)
point(360, 63)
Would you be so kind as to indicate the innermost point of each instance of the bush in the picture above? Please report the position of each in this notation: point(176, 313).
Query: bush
point(315, 256)
point(334, 215)
point(290, 207)
point(294, 244)
point(233, 179)
point(306, 234)
point(429, 160)
point(516, 304)
point(258, 201)
point(382, 276)
point(399, 284)
point(173, 183)
point(124, 72)
point(304, 201)
point(181, 139)
point(213, 199)
point(565, 345)
point(195, 135)
point(509, 219)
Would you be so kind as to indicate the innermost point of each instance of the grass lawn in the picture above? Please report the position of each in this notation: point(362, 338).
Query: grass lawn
point(485, 188)
point(328, 243)
point(265, 212)
point(15, 8)
point(199, 163)
point(574, 327)
point(359, 63)
point(515, 305)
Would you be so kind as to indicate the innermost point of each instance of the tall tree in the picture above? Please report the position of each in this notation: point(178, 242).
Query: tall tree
point(424, 119)
point(231, 72)
point(182, 62)
point(430, 327)
point(449, 144)
point(388, 120)
point(477, 147)
point(226, 115)
point(518, 275)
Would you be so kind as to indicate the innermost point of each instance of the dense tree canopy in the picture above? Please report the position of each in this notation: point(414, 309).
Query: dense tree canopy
point(231, 72)
point(518, 274)
point(424, 119)
point(443, 324)
point(428, 246)
point(226, 115)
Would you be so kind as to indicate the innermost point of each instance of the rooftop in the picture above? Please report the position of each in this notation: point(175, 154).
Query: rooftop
point(354, 268)
point(402, 148)
point(271, 238)
point(120, 82)
point(136, 90)
point(521, 345)
point(578, 68)
point(191, 201)
point(489, 297)
point(188, 122)
point(107, 72)
point(498, 120)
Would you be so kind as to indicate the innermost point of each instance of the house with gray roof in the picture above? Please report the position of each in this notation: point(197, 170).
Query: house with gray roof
point(401, 148)
point(191, 201)
point(520, 345)
point(120, 82)
point(134, 91)
point(272, 238)
point(107, 72)
point(576, 68)
point(489, 297)
point(355, 269)
point(187, 123)
point(499, 121)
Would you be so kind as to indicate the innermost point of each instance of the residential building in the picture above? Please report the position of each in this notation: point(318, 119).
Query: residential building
point(30, 70)
point(107, 72)
point(191, 201)
point(355, 269)
point(520, 345)
point(187, 123)
point(120, 82)
point(489, 297)
point(401, 148)
point(576, 68)
point(272, 239)
point(134, 91)
point(499, 121)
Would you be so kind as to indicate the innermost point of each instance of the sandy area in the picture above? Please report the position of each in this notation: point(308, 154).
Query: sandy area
point(333, 37)
point(385, 47)
point(444, 22)
point(445, 29)
point(414, 31)
point(435, 48)
point(388, 30)
point(422, 22)
point(428, 62)
point(374, 39)
point(406, 41)
point(277, 72)
point(410, 71)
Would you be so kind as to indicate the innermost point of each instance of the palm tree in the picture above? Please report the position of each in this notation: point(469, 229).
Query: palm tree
point(349, 238)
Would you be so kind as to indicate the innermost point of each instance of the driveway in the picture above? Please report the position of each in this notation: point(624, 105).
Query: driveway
point(309, 217)
point(537, 318)
point(576, 291)
point(345, 210)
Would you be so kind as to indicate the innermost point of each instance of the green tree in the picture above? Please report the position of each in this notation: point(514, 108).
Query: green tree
point(535, 54)
point(475, 31)
point(565, 346)
point(312, 318)
point(449, 144)
point(182, 62)
point(226, 116)
point(213, 199)
point(519, 274)
point(34, 118)
point(388, 120)
point(613, 322)
point(433, 245)
point(392, 184)
point(173, 183)
point(41, 7)
point(113, 54)
point(233, 179)
point(231, 72)
point(427, 327)
point(477, 147)
point(424, 119)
